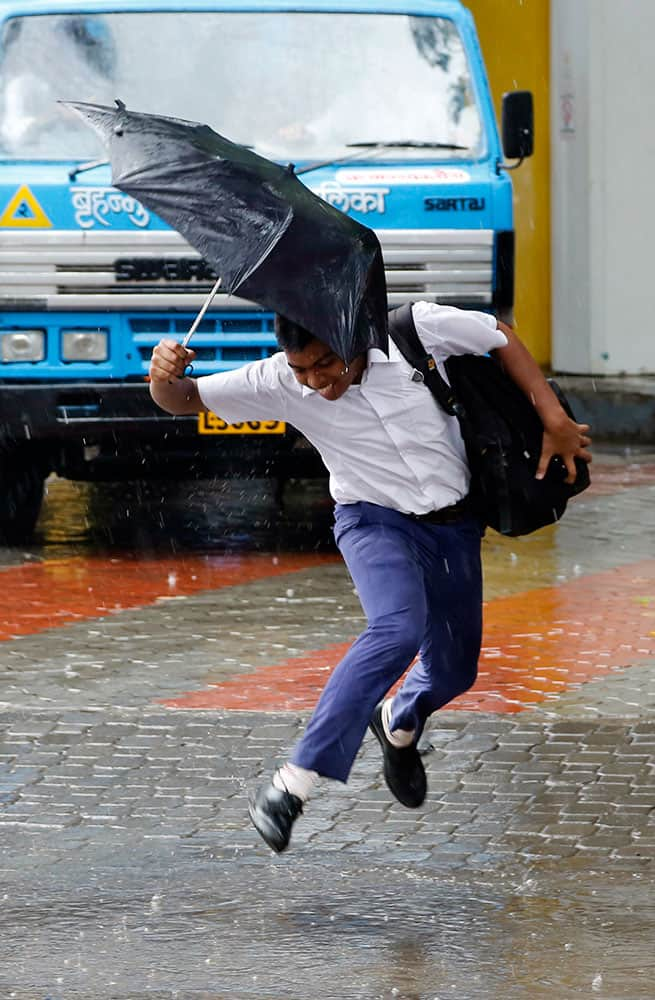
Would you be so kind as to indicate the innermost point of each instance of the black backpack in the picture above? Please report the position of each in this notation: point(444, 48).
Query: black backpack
point(502, 433)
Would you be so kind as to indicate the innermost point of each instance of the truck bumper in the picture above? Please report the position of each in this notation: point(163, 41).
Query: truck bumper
point(104, 431)
point(53, 411)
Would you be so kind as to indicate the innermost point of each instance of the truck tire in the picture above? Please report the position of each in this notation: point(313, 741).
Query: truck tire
point(22, 475)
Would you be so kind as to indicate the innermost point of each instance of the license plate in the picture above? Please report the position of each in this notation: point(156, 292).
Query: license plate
point(209, 423)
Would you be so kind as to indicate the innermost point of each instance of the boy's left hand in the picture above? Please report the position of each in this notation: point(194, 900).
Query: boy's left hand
point(567, 439)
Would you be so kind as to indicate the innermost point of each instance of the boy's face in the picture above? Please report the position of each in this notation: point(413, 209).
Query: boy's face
point(319, 368)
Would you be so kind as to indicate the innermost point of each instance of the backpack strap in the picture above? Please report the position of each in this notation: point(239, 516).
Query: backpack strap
point(402, 331)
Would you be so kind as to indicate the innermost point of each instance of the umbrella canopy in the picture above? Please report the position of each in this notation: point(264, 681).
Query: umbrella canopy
point(265, 233)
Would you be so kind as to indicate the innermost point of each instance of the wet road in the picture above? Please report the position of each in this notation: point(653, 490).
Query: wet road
point(160, 649)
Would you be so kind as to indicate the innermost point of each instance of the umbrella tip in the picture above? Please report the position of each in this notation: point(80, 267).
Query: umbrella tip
point(119, 104)
point(290, 168)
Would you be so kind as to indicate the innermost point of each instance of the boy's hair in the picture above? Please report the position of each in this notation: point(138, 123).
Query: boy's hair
point(291, 336)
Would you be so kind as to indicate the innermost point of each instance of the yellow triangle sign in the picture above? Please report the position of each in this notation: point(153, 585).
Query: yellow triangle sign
point(24, 211)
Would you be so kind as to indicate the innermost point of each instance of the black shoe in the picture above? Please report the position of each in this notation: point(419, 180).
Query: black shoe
point(273, 814)
point(403, 768)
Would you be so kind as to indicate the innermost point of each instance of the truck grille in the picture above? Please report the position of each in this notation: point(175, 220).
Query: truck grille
point(69, 270)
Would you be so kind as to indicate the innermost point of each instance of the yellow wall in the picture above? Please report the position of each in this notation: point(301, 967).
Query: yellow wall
point(514, 35)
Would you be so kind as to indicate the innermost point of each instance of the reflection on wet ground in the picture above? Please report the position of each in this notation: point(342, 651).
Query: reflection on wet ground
point(310, 928)
point(257, 515)
point(228, 514)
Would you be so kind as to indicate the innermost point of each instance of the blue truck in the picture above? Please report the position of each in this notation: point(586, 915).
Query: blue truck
point(382, 105)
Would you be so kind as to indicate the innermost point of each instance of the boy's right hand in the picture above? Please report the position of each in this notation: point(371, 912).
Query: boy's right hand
point(169, 360)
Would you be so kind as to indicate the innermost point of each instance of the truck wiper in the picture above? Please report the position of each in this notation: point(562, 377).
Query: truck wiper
point(81, 167)
point(377, 147)
point(404, 144)
point(334, 161)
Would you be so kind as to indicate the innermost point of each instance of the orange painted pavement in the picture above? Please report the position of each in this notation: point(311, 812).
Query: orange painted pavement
point(576, 631)
point(536, 644)
point(40, 596)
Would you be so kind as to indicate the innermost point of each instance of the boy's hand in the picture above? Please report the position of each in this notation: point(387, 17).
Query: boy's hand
point(169, 361)
point(567, 439)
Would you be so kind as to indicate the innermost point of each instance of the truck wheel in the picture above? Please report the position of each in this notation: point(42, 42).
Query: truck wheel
point(22, 475)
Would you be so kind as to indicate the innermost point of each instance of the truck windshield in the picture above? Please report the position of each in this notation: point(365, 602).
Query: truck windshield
point(293, 85)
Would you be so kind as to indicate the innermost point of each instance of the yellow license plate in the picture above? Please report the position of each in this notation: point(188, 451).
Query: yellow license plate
point(209, 423)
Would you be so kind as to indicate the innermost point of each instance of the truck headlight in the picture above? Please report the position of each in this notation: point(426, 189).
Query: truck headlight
point(22, 345)
point(84, 345)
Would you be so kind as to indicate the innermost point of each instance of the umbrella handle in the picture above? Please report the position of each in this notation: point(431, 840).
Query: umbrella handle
point(196, 323)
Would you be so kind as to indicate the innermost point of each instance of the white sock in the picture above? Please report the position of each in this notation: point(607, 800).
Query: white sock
point(399, 738)
point(295, 780)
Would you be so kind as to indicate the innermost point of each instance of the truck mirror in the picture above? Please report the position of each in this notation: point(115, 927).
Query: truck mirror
point(518, 124)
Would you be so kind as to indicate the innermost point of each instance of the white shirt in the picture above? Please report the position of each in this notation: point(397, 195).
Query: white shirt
point(385, 441)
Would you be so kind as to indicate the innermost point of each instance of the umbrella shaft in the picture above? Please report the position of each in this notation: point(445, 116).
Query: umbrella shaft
point(205, 307)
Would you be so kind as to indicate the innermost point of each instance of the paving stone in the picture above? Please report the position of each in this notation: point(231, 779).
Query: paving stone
point(504, 755)
point(15, 748)
point(570, 830)
point(581, 810)
point(573, 727)
point(486, 828)
point(510, 795)
point(633, 851)
point(465, 796)
point(549, 849)
point(28, 730)
point(537, 767)
point(525, 788)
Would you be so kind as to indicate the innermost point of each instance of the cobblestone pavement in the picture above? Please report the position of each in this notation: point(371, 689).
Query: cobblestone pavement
point(143, 697)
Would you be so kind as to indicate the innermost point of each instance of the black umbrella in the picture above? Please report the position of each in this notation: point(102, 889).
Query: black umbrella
point(265, 233)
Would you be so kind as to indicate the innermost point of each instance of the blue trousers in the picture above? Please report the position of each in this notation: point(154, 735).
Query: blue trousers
point(420, 586)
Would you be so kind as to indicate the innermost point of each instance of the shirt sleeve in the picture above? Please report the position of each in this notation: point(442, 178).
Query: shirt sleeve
point(255, 391)
point(446, 330)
